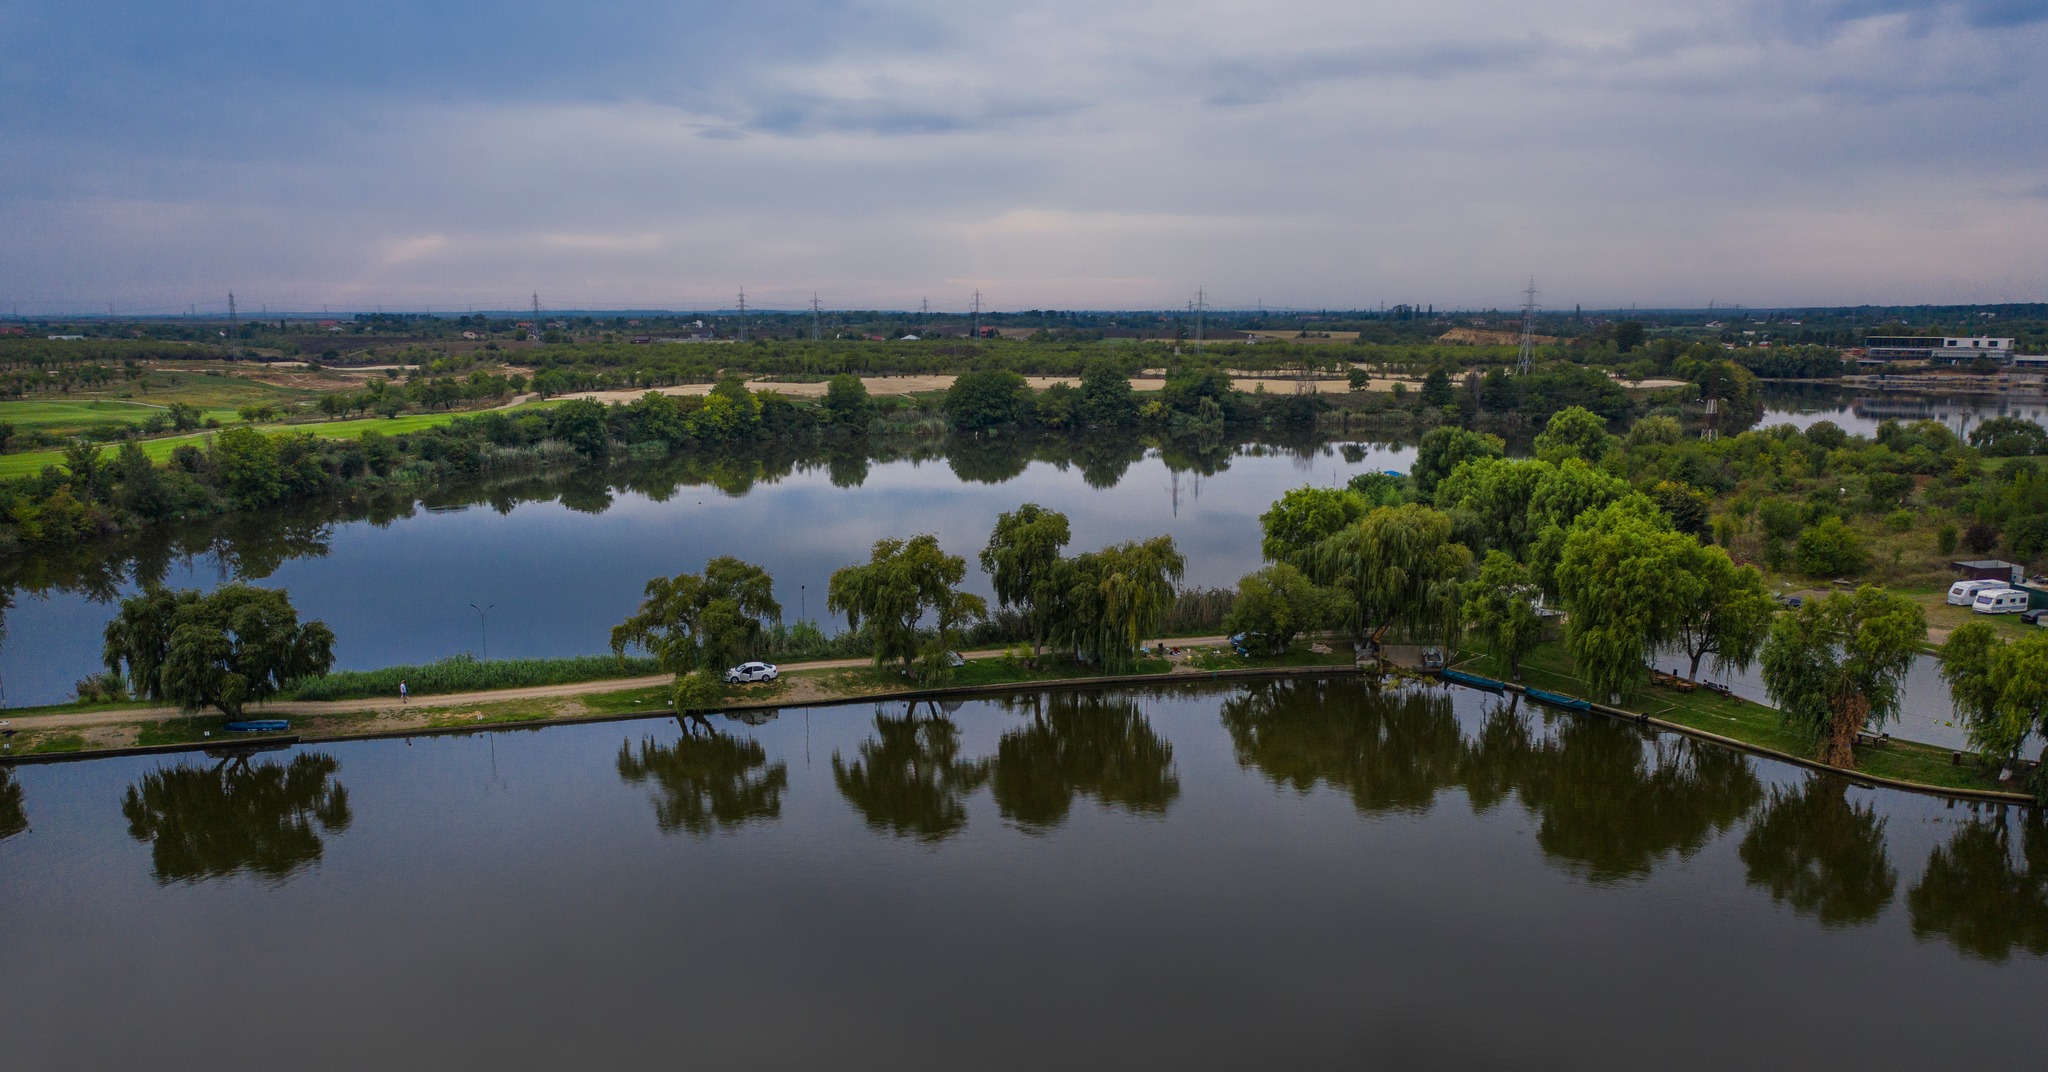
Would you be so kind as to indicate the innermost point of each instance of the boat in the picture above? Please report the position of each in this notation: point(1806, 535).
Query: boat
point(1459, 677)
point(259, 725)
point(1569, 703)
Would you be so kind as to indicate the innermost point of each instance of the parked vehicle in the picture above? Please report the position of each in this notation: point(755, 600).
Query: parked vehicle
point(2000, 601)
point(747, 672)
point(1964, 593)
point(2038, 616)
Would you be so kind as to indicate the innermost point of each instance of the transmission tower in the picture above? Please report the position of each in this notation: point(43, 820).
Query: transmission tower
point(925, 310)
point(1528, 352)
point(815, 333)
point(533, 333)
point(1201, 306)
point(977, 313)
point(234, 333)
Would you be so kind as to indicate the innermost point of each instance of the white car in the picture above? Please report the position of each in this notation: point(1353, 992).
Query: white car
point(746, 672)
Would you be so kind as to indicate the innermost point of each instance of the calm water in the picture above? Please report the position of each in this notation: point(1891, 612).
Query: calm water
point(1283, 876)
point(559, 565)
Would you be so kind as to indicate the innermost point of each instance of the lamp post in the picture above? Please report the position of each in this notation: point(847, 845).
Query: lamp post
point(802, 602)
point(483, 626)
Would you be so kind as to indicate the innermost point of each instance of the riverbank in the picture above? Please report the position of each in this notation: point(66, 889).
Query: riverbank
point(1702, 714)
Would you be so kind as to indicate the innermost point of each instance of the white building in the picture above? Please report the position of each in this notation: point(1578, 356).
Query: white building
point(1942, 350)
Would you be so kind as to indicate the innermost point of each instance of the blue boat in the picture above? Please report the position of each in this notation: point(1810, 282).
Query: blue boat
point(1459, 677)
point(259, 725)
point(1569, 703)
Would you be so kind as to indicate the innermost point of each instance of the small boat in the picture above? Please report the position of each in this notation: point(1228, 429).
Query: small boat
point(1569, 703)
point(1459, 677)
point(259, 725)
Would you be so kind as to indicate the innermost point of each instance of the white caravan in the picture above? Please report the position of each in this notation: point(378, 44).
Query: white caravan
point(1964, 593)
point(2000, 601)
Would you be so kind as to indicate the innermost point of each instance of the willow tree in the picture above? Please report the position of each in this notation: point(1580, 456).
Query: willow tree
point(1115, 597)
point(226, 649)
point(2000, 691)
point(1399, 567)
point(1500, 609)
point(1835, 665)
point(1305, 517)
point(1719, 609)
point(1617, 575)
point(1023, 559)
point(695, 623)
point(903, 583)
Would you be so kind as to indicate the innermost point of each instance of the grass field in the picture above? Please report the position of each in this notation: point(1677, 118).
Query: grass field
point(29, 463)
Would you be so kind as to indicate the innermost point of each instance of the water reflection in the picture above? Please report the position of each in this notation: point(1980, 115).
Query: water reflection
point(1609, 801)
point(1978, 897)
point(237, 815)
point(1813, 849)
point(706, 780)
point(909, 779)
point(13, 815)
point(1081, 744)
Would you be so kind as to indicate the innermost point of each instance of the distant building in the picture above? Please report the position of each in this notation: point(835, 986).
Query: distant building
point(1988, 569)
point(1936, 349)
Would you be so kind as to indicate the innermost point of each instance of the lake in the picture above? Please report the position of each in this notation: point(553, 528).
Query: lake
point(1284, 875)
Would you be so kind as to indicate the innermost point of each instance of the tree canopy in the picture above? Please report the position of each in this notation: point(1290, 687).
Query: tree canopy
point(235, 646)
point(1835, 665)
point(2000, 690)
point(902, 583)
point(1023, 560)
point(705, 621)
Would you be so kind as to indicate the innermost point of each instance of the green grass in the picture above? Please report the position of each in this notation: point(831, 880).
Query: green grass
point(1224, 658)
point(1549, 668)
point(1006, 670)
point(462, 673)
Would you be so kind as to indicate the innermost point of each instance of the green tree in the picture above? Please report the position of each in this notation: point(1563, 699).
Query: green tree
point(847, 406)
point(1574, 432)
point(1115, 597)
point(903, 583)
point(1305, 517)
point(1436, 388)
point(1278, 603)
point(1628, 335)
point(1444, 449)
point(1106, 400)
point(706, 621)
point(2000, 691)
point(983, 401)
point(1397, 567)
point(1617, 579)
point(580, 423)
point(1499, 608)
point(247, 462)
point(1835, 665)
point(1718, 609)
point(236, 646)
point(2009, 437)
point(1830, 549)
point(1023, 559)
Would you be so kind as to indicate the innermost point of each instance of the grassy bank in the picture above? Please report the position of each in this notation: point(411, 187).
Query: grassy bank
point(464, 673)
point(1549, 668)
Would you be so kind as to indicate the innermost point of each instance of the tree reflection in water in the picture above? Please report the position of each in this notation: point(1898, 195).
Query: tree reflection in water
point(1814, 850)
point(212, 821)
point(909, 780)
point(1609, 802)
point(1977, 897)
point(707, 780)
point(13, 815)
point(1081, 743)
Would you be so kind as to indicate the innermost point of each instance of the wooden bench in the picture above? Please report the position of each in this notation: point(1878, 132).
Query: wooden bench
point(1873, 740)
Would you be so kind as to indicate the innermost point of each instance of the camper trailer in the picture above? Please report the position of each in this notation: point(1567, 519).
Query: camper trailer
point(2000, 601)
point(1964, 593)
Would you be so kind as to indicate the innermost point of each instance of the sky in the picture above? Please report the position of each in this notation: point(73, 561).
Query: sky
point(1049, 153)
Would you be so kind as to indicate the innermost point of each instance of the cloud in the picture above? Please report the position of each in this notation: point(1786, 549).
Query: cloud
point(1054, 152)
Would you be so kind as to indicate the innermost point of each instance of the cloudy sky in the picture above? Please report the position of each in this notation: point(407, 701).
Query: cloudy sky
point(1052, 153)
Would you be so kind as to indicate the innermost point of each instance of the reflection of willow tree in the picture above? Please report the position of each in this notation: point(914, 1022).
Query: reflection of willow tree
point(1201, 455)
point(707, 781)
point(1973, 895)
point(1813, 849)
point(847, 466)
point(1614, 808)
point(208, 822)
point(1086, 744)
point(1105, 456)
point(1605, 803)
point(909, 779)
point(990, 460)
point(13, 815)
point(1391, 751)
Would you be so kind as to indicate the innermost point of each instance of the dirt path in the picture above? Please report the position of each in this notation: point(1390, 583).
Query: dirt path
point(388, 704)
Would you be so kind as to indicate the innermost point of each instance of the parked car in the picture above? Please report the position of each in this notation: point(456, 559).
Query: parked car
point(747, 672)
point(2037, 616)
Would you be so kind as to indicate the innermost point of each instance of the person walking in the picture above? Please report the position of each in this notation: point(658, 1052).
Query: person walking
point(402, 693)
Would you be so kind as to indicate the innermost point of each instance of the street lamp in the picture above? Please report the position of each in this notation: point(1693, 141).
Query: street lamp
point(483, 625)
